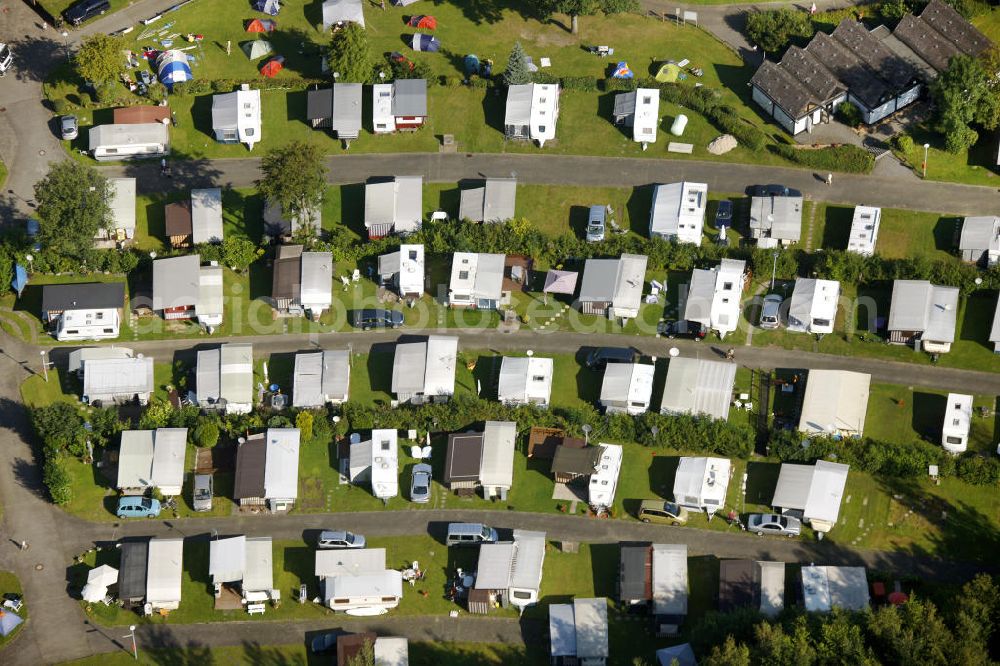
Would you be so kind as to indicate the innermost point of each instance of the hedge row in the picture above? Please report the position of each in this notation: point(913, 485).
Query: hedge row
point(206, 86)
point(846, 158)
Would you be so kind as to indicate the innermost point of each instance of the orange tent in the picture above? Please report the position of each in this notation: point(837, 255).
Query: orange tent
point(421, 21)
point(261, 25)
point(273, 66)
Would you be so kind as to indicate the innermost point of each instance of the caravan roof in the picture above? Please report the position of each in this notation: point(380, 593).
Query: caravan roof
point(349, 562)
point(123, 203)
point(236, 372)
point(163, 573)
point(206, 215)
point(281, 466)
point(528, 559)
point(604, 480)
point(835, 401)
point(670, 579)
point(135, 459)
point(698, 386)
point(702, 480)
point(385, 463)
point(227, 559)
point(118, 376)
point(497, 466)
point(168, 459)
point(816, 490)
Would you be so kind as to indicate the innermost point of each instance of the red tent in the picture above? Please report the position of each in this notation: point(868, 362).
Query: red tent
point(261, 25)
point(273, 66)
point(425, 22)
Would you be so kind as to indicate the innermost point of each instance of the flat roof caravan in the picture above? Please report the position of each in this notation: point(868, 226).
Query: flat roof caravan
point(604, 481)
point(117, 142)
point(957, 420)
point(864, 230)
point(702, 483)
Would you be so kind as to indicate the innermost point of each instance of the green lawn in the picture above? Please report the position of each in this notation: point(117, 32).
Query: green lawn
point(10, 584)
point(902, 233)
point(472, 116)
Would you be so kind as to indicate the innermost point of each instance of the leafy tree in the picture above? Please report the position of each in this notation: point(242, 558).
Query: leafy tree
point(728, 654)
point(572, 8)
point(59, 426)
point(156, 415)
point(295, 177)
point(304, 422)
point(349, 54)
point(913, 633)
point(105, 426)
point(238, 253)
point(965, 94)
point(777, 648)
point(7, 262)
point(620, 6)
point(72, 207)
point(774, 30)
point(517, 70)
point(99, 60)
point(206, 434)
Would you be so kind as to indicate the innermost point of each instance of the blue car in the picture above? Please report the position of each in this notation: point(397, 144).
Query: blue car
point(136, 506)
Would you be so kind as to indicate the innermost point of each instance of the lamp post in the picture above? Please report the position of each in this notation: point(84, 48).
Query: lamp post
point(586, 433)
point(29, 259)
point(926, 147)
point(135, 648)
point(45, 366)
point(774, 269)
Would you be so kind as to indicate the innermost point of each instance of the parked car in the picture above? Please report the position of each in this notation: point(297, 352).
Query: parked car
point(772, 523)
point(769, 312)
point(202, 492)
point(370, 318)
point(85, 10)
point(420, 483)
point(137, 506)
point(599, 358)
point(596, 224)
point(684, 328)
point(658, 511)
point(774, 191)
point(69, 128)
point(325, 642)
point(724, 214)
point(470, 534)
point(339, 539)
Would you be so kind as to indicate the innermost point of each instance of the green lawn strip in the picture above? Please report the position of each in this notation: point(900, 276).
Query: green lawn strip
point(10, 584)
point(3, 173)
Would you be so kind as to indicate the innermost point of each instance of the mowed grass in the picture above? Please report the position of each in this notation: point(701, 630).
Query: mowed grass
point(10, 584)
point(900, 414)
point(902, 233)
point(472, 116)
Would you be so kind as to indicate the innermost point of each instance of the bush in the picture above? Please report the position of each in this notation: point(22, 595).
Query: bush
point(613, 84)
point(193, 87)
point(849, 114)
point(585, 83)
point(56, 479)
point(978, 470)
point(206, 434)
point(846, 158)
point(304, 422)
point(903, 143)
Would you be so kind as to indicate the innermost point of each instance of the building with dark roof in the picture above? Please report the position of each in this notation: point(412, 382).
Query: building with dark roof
point(251, 460)
point(878, 71)
point(635, 574)
point(461, 465)
point(132, 571)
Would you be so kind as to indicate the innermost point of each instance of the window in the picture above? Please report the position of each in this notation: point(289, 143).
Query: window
point(99, 315)
point(541, 128)
point(413, 255)
point(518, 594)
point(384, 445)
point(646, 99)
point(249, 131)
point(463, 275)
point(109, 330)
point(953, 440)
point(821, 322)
point(246, 105)
point(538, 378)
point(110, 151)
point(638, 404)
point(727, 286)
point(72, 332)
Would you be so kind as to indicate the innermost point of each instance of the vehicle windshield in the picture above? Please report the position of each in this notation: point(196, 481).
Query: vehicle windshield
point(783, 521)
point(486, 532)
point(595, 226)
point(146, 503)
point(420, 490)
point(349, 538)
point(201, 492)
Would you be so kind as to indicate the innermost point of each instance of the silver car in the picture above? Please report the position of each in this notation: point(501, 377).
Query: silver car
point(202, 492)
point(420, 483)
point(596, 224)
point(69, 129)
point(769, 311)
point(772, 523)
point(333, 539)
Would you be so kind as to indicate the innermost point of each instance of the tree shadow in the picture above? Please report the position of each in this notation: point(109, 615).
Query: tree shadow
point(186, 173)
point(977, 318)
point(928, 414)
point(762, 479)
point(352, 208)
point(640, 202)
point(38, 57)
point(837, 231)
point(946, 234)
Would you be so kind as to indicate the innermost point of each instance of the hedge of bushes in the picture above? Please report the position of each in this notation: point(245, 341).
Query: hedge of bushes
point(892, 459)
point(846, 158)
point(206, 86)
point(852, 268)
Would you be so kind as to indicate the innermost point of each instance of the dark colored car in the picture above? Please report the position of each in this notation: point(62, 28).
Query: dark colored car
point(376, 318)
point(325, 642)
point(600, 357)
point(682, 329)
point(86, 10)
point(774, 191)
point(724, 214)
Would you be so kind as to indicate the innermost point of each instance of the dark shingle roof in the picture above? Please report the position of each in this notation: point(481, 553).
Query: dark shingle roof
point(132, 568)
point(849, 68)
point(571, 460)
point(319, 104)
point(954, 27)
point(177, 218)
point(635, 575)
point(251, 456)
point(898, 74)
point(811, 73)
point(287, 272)
point(926, 42)
point(783, 89)
point(465, 450)
point(85, 296)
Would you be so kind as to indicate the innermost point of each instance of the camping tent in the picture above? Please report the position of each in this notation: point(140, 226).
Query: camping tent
point(271, 7)
point(669, 73)
point(339, 12)
point(471, 64)
point(20, 280)
point(261, 25)
point(403, 3)
point(425, 43)
point(273, 66)
point(172, 67)
point(256, 48)
point(622, 71)
point(98, 581)
point(423, 22)
point(8, 622)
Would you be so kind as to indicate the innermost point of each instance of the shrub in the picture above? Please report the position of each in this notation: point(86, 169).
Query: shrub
point(304, 422)
point(903, 143)
point(206, 434)
point(57, 480)
point(849, 114)
point(585, 83)
point(846, 158)
point(978, 470)
point(193, 87)
point(612, 84)
point(60, 105)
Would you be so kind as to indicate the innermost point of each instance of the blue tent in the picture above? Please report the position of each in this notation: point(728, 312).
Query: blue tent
point(271, 7)
point(20, 280)
point(471, 64)
point(622, 71)
point(172, 67)
point(425, 43)
point(8, 622)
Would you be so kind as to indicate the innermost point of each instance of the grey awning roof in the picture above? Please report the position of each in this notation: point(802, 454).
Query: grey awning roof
point(319, 104)
point(206, 215)
point(132, 570)
point(518, 109)
point(698, 386)
point(918, 305)
point(625, 104)
point(408, 367)
point(491, 202)
point(346, 118)
point(700, 295)
point(635, 573)
point(225, 111)
point(85, 296)
point(599, 276)
point(410, 97)
point(175, 281)
point(980, 233)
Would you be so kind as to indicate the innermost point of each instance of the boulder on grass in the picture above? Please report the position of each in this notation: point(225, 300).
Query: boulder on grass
point(722, 144)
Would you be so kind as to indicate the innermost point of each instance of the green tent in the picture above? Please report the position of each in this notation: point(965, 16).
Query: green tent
point(256, 48)
point(668, 73)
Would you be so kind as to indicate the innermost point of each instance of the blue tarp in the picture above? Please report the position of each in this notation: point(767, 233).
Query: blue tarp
point(425, 43)
point(20, 280)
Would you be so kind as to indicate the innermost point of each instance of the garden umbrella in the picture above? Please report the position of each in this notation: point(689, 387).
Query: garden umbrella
point(560, 282)
point(273, 66)
point(256, 48)
point(8, 622)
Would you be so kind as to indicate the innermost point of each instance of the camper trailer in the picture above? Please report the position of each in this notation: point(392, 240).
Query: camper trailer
point(604, 481)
